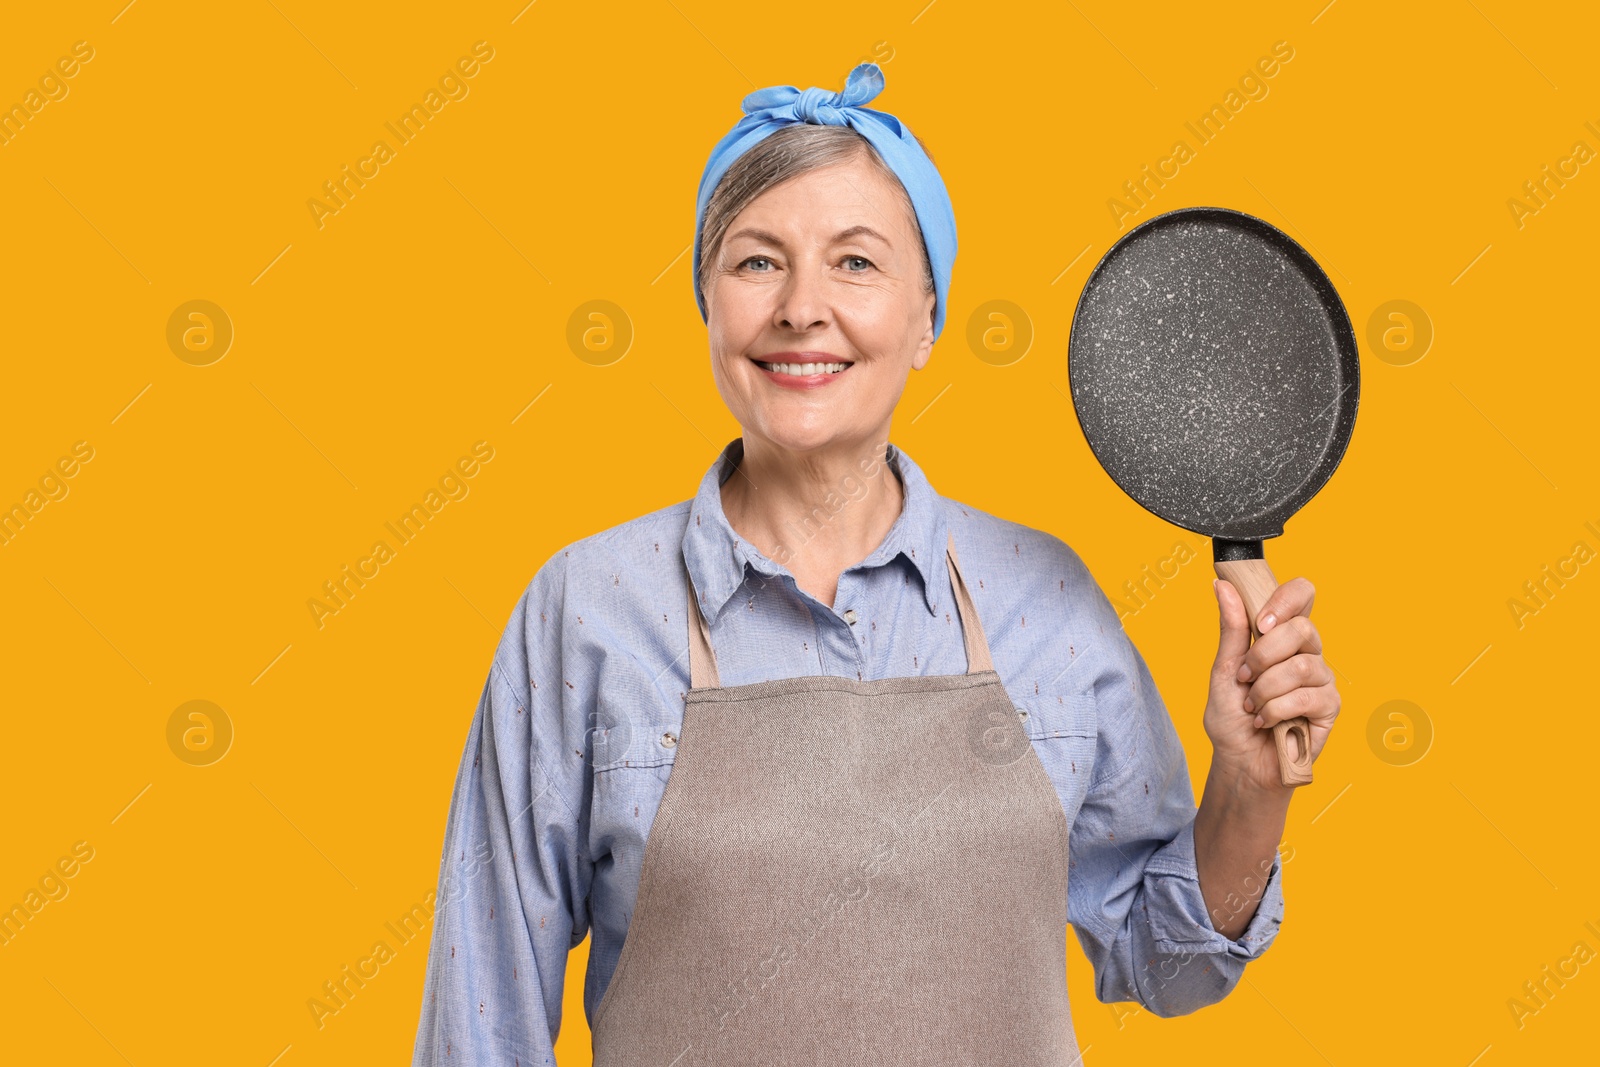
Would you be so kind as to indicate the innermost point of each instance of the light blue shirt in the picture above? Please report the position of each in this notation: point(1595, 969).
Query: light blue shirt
point(575, 732)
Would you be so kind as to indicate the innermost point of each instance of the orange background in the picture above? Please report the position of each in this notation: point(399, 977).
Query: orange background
point(371, 352)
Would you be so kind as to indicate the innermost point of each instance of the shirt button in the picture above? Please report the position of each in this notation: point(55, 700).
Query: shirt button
point(669, 739)
point(850, 616)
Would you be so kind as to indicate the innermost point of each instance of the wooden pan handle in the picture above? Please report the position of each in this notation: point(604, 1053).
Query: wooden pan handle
point(1255, 583)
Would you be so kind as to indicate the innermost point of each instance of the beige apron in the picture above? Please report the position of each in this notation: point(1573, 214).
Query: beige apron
point(848, 872)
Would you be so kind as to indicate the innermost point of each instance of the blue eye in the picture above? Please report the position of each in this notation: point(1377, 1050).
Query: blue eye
point(764, 259)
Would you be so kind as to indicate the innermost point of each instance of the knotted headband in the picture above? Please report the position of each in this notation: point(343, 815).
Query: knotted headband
point(768, 110)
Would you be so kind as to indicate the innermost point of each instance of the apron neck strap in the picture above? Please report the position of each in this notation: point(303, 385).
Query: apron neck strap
point(703, 660)
point(971, 628)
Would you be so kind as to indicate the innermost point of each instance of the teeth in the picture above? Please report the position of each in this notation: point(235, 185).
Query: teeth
point(803, 369)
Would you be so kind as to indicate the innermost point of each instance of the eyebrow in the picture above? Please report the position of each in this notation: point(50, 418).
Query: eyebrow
point(842, 235)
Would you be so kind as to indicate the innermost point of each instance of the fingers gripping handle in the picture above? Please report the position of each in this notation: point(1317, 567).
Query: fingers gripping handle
point(1254, 580)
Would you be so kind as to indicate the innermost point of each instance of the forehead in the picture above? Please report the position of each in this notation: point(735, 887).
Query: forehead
point(820, 203)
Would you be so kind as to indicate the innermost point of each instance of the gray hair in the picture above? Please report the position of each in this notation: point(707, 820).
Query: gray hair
point(789, 153)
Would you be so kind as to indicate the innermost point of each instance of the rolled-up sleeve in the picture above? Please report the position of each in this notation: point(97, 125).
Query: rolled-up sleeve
point(514, 876)
point(1134, 892)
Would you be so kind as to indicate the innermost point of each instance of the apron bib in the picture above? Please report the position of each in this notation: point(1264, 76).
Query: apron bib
point(848, 872)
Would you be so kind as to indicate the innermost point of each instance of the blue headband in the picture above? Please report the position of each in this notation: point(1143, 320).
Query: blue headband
point(768, 110)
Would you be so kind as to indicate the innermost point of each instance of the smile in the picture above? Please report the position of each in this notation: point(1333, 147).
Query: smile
point(802, 370)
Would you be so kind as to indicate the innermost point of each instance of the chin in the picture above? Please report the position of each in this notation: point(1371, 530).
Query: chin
point(804, 437)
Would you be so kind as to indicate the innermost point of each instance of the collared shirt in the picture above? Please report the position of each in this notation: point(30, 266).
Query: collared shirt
point(575, 732)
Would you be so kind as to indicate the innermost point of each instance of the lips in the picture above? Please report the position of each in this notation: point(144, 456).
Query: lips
point(802, 370)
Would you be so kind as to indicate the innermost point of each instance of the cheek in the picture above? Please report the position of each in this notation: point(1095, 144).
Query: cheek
point(729, 364)
point(727, 341)
point(734, 317)
point(881, 331)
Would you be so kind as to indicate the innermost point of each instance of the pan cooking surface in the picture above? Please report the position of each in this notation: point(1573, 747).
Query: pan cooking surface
point(1207, 375)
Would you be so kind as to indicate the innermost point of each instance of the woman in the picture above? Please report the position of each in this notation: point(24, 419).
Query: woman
point(891, 722)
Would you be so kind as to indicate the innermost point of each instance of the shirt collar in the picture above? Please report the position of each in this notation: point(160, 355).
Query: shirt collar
point(718, 558)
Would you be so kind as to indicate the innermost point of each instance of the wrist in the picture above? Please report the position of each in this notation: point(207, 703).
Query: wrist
point(1237, 788)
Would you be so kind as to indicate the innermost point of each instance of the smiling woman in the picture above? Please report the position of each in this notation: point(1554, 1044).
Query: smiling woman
point(820, 298)
point(820, 304)
point(816, 798)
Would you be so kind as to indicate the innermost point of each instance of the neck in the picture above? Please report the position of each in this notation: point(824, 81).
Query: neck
point(815, 512)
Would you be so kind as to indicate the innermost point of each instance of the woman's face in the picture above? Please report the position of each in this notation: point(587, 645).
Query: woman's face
point(826, 269)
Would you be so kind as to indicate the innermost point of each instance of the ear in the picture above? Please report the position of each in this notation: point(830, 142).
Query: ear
point(925, 343)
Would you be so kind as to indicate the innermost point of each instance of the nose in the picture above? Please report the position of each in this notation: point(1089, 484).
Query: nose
point(802, 302)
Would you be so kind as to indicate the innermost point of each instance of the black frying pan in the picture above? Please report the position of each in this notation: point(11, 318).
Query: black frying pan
point(1215, 375)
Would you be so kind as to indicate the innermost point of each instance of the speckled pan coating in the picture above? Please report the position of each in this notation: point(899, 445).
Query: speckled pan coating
point(1214, 371)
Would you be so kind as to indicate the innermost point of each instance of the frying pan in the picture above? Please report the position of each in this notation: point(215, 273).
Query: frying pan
point(1215, 375)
